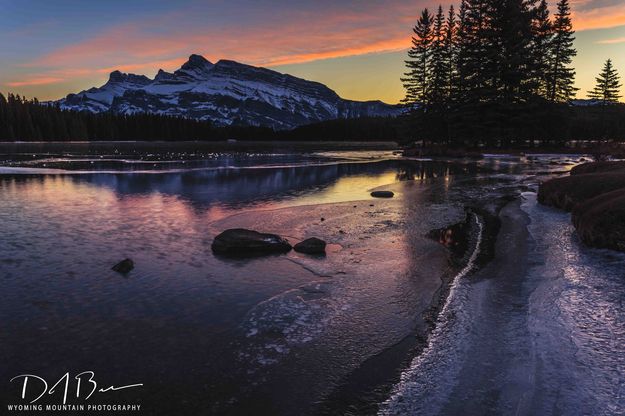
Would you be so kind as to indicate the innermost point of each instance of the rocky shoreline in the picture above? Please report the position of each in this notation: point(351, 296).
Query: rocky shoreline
point(595, 195)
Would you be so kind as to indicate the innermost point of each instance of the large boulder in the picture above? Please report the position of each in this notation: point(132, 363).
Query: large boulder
point(600, 221)
point(124, 266)
point(595, 167)
point(242, 242)
point(311, 245)
point(568, 191)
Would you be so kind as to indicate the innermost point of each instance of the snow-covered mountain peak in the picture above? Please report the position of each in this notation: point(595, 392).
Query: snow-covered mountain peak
point(197, 67)
point(118, 77)
point(196, 61)
point(225, 93)
point(162, 75)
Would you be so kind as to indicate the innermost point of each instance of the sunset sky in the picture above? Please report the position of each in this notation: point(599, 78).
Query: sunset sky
point(356, 47)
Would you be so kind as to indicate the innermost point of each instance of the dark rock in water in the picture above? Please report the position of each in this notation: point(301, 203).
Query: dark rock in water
point(242, 242)
point(311, 245)
point(455, 237)
point(382, 194)
point(124, 266)
point(566, 192)
point(600, 221)
point(462, 236)
point(595, 167)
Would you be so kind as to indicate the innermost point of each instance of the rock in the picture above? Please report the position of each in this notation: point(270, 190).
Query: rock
point(595, 167)
point(566, 192)
point(242, 242)
point(322, 219)
point(124, 266)
point(382, 194)
point(311, 245)
point(600, 221)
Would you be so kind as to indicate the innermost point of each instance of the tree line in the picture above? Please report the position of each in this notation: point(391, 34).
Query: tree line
point(30, 120)
point(496, 72)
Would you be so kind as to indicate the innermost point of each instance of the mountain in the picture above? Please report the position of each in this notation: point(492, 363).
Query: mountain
point(225, 93)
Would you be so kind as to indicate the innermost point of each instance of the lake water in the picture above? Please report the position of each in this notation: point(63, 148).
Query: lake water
point(289, 334)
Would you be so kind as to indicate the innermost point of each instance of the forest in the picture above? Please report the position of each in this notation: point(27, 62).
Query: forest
point(29, 120)
point(498, 72)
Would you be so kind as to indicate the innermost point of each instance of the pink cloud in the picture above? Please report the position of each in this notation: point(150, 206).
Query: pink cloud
point(300, 37)
point(611, 41)
point(36, 81)
point(288, 37)
point(586, 17)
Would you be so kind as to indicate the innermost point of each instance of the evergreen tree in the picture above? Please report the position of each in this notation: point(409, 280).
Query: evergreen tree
point(437, 65)
point(417, 79)
point(561, 75)
point(542, 33)
point(514, 23)
point(607, 85)
point(450, 53)
point(460, 52)
point(479, 52)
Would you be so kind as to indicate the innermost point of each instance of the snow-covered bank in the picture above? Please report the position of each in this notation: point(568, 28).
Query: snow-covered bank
point(540, 330)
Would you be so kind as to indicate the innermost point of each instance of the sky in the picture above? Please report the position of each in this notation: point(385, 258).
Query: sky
point(356, 47)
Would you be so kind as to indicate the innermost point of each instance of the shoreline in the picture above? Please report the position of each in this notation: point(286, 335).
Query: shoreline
point(478, 257)
point(411, 396)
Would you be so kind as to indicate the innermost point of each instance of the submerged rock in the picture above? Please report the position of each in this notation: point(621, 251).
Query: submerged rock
point(242, 242)
point(382, 194)
point(124, 266)
point(311, 245)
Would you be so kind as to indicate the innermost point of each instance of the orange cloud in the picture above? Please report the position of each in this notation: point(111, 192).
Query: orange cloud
point(304, 37)
point(390, 45)
point(587, 15)
point(611, 41)
point(36, 81)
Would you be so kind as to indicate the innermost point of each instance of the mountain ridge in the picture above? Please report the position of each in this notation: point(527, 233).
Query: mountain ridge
point(227, 93)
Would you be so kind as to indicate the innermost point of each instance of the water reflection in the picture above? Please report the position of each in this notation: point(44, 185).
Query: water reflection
point(236, 187)
point(62, 233)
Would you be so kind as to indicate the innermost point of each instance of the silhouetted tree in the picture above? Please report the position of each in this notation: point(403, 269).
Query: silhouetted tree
point(561, 75)
point(416, 80)
point(449, 56)
point(437, 66)
point(607, 85)
point(541, 46)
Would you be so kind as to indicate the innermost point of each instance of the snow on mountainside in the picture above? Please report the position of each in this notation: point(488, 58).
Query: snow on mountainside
point(226, 93)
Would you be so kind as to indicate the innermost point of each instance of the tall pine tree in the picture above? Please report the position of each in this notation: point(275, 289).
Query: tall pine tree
point(417, 79)
point(607, 85)
point(450, 53)
point(542, 31)
point(437, 65)
point(561, 76)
